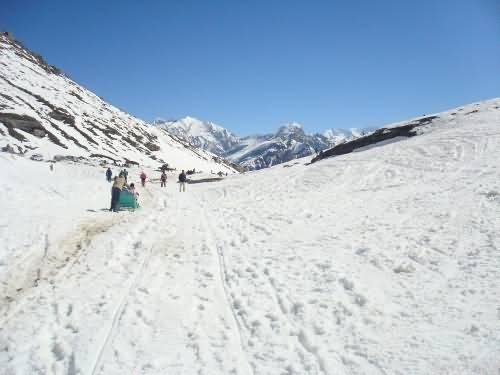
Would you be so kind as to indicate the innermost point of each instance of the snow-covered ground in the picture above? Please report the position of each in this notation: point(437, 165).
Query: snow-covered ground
point(385, 261)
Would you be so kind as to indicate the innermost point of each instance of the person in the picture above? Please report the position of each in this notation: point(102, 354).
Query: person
point(125, 174)
point(132, 190)
point(182, 181)
point(143, 178)
point(51, 167)
point(163, 179)
point(109, 174)
point(115, 192)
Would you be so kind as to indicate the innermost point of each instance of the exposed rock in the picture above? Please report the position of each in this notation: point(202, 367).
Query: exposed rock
point(8, 148)
point(377, 136)
point(152, 147)
point(37, 157)
point(201, 180)
point(62, 115)
point(68, 158)
point(102, 156)
point(14, 122)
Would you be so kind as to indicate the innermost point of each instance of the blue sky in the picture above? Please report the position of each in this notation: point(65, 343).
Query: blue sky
point(253, 65)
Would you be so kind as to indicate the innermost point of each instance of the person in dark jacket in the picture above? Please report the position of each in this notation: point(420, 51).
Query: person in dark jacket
point(163, 179)
point(182, 181)
point(116, 191)
point(109, 174)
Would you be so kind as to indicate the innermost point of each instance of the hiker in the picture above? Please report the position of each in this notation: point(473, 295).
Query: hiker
point(182, 181)
point(109, 174)
point(125, 174)
point(115, 192)
point(163, 179)
point(143, 178)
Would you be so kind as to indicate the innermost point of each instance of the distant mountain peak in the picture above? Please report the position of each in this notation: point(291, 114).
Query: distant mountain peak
point(257, 151)
point(202, 134)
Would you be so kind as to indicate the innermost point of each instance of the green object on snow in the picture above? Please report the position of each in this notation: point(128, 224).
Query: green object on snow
point(127, 200)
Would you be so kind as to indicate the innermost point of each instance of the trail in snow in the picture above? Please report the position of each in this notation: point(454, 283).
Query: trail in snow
point(384, 261)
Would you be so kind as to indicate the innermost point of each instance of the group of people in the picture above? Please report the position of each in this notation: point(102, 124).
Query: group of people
point(120, 183)
point(182, 180)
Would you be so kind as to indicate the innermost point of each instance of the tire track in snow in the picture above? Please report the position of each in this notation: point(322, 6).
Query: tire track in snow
point(221, 264)
point(122, 304)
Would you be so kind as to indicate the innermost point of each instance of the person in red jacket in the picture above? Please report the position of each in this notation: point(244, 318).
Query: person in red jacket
point(143, 178)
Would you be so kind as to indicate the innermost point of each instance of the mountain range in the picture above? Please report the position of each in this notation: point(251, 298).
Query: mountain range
point(257, 151)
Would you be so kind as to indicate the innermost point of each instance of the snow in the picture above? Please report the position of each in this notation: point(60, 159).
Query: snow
point(385, 261)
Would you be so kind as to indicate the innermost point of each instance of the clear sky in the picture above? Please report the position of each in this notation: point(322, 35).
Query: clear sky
point(253, 65)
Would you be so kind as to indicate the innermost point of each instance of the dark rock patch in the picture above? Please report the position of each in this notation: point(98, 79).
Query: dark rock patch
point(14, 122)
point(5, 96)
point(152, 147)
point(77, 96)
point(130, 142)
point(62, 115)
point(9, 149)
point(377, 136)
point(471, 112)
point(110, 131)
point(72, 158)
point(130, 162)
point(102, 156)
point(36, 157)
point(202, 180)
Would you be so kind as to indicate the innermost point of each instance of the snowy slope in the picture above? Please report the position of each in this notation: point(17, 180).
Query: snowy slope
point(382, 261)
point(45, 113)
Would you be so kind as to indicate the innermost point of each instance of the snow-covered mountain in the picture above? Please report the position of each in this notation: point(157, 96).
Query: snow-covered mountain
point(45, 115)
point(256, 151)
point(289, 142)
point(206, 135)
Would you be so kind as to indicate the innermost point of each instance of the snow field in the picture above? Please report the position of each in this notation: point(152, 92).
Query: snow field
point(384, 261)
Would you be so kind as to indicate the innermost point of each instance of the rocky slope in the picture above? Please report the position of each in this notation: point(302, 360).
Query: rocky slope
point(45, 115)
